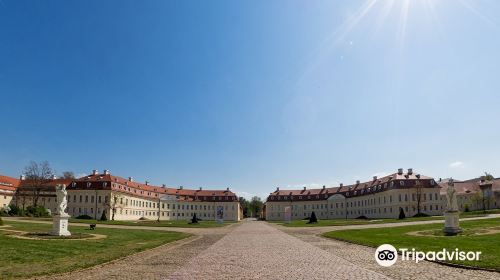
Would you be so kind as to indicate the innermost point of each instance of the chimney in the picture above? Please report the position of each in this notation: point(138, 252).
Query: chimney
point(227, 189)
point(410, 171)
point(324, 187)
point(95, 172)
point(54, 176)
point(374, 178)
point(418, 176)
point(106, 172)
point(130, 179)
point(440, 179)
point(200, 188)
point(304, 188)
point(341, 185)
point(400, 171)
point(163, 185)
point(277, 189)
point(181, 187)
point(22, 177)
point(147, 183)
point(357, 182)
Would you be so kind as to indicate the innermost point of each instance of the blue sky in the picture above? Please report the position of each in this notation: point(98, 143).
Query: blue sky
point(251, 94)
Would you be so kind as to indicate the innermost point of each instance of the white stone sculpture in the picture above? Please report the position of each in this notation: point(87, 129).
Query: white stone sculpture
point(62, 201)
point(451, 197)
point(451, 215)
point(60, 219)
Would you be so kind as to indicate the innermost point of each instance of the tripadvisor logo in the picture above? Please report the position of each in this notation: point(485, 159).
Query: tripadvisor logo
point(387, 255)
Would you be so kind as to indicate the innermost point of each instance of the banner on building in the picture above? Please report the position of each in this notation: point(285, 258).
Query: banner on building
point(220, 214)
point(288, 214)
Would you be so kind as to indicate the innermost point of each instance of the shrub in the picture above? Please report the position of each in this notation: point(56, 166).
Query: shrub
point(103, 216)
point(16, 211)
point(5, 211)
point(401, 213)
point(38, 211)
point(84, 217)
point(420, 215)
point(467, 209)
point(194, 220)
point(313, 219)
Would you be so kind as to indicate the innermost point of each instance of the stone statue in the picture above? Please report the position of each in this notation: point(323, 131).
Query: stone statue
point(60, 220)
point(451, 218)
point(451, 197)
point(62, 200)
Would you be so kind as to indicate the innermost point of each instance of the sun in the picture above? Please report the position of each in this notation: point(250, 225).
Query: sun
point(403, 10)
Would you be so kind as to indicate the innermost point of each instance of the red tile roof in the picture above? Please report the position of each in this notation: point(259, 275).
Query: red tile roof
point(149, 190)
point(368, 185)
point(8, 183)
point(49, 185)
point(469, 186)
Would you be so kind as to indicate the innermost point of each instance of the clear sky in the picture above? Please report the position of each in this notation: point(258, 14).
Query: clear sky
point(251, 94)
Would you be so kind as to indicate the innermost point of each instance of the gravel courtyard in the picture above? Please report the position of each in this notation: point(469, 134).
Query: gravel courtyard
point(259, 250)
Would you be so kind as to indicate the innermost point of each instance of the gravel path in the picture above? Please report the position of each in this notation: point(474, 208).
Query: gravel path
point(256, 250)
point(151, 264)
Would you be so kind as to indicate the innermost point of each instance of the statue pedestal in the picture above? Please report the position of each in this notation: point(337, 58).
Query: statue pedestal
point(60, 225)
point(451, 223)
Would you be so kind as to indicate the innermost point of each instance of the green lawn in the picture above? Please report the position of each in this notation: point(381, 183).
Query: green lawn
point(22, 258)
point(344, 222)
point(149, 223)
point(398, 237)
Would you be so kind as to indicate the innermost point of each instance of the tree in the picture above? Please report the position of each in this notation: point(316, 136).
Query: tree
point(113, 204)
point(485, 197)
point(487, 177)
point(313, 219)
point(256, 206)
point(419, 188)
point(401, 213)
point(245, 205)
point(37, 174)
point(68, 175)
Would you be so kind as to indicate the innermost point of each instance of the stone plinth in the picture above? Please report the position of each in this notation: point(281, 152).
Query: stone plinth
point(451, 223)
point(60, 225)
